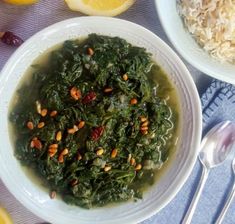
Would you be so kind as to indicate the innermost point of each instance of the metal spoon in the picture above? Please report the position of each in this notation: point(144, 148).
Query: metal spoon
point(215, 147)
point(229, 198)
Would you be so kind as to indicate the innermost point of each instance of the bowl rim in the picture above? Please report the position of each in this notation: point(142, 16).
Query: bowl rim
point(197, 130)
point(198, 65)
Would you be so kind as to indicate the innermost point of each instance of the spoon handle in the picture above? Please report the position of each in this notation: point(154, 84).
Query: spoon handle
point(226, 206)
point(189, 215)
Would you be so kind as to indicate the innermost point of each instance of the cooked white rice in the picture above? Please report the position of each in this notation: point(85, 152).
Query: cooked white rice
point(212, 23)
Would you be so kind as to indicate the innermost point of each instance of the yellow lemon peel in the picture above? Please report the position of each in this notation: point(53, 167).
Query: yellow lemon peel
point(21, 2)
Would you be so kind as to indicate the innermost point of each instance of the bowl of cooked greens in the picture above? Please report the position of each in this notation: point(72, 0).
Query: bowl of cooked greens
point(203, 32)
point(100, 122)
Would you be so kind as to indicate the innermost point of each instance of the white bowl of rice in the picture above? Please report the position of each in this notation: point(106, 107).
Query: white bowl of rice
point(203, 32)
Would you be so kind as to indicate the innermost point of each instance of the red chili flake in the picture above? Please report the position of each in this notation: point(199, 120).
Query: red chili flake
point(97, 132)
point(91, 96)
point(10, 39)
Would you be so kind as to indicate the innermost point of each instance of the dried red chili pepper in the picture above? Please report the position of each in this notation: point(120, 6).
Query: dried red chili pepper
point(91, 96)
point(97, 132)
point(10, 39)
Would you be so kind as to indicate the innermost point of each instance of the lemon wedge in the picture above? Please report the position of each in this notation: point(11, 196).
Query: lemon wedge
point(21, 2)
point(5, 217)
point(100, 7)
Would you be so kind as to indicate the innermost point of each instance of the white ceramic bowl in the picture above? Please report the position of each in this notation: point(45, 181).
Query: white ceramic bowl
point(56, 211)
point(187, 46)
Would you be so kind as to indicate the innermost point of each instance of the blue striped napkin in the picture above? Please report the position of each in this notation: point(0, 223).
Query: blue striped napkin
point(218, 103)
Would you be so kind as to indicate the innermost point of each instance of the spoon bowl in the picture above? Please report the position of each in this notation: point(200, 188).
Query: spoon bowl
point(217, 144)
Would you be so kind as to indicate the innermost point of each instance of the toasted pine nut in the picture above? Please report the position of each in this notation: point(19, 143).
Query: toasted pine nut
point(75, 93)
point(32, 143)
point(145, 124)
point(79, 156)
point(52, 194)
point(125, 77)
point(41, 125)
point(37, 144)
point(108, 90)
point(143, 119)
point(74, 182)
point(52, 150)
point(53, 113)
point(138, 167)
point(73, 130)
point(132, 161)
point(64, 152)
point(114, 153)
point(58, 136)
point(107, 168)
point(129, 158)
point(81, 124)
point(133, 101)
point(44, 112)
point(30, 125)
point(90, 51)
point(144, 128)
point(100, 152)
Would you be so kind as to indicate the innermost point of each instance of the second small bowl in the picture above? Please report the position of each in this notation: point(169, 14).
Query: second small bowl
point(187, 46)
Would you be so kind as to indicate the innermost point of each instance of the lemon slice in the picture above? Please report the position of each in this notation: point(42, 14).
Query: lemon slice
point(100, 7)
point(5, 217)
point(21, 2)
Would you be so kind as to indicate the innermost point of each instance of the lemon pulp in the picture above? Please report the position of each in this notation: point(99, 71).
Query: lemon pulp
point(104, 4)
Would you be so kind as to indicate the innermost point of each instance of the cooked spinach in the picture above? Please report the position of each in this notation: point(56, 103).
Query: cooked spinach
point(91, 121)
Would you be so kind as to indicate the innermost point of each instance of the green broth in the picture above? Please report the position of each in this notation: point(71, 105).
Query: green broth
point(40, 166)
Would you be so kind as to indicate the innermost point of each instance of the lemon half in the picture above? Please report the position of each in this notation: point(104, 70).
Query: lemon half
point(100, 7)
point(5, 217)
point(21, 2)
